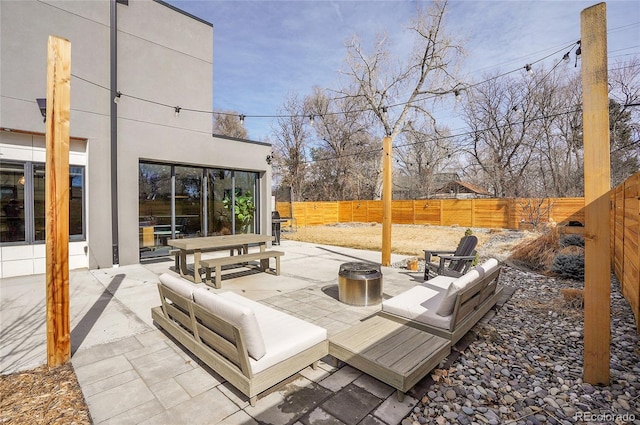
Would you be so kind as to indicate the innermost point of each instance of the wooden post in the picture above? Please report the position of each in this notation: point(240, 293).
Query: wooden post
point(597, 183)
point(387, 196)
point(57, 200)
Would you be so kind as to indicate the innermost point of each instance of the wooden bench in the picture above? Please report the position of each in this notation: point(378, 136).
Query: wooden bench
point(175, 253)
point(217, 263)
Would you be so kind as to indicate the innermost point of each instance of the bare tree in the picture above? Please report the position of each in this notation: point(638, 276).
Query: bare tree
point(425, 153)
point(227, 123)
point(345, 161)
point(291, 146)
point(500, 115)
point(392, 90)
point(624, 119)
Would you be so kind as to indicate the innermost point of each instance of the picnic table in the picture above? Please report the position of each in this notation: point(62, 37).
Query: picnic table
point(213, 243)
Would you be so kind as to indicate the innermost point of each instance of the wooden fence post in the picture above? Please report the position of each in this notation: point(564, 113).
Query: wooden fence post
point(387, 196)
point(57, 200)
point(597, 183)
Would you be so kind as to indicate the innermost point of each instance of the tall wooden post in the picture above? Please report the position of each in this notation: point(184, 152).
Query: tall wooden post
point(387, 196)
point(57, 200)
point(597, 183)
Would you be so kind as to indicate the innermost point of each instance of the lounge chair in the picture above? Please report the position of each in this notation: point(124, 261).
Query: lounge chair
point(240, 339)
point(451, 263)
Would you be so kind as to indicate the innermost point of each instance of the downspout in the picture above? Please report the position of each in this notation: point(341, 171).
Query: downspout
point(114, 131)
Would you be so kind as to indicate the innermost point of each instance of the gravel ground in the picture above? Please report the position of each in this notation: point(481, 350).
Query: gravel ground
point(525, 367)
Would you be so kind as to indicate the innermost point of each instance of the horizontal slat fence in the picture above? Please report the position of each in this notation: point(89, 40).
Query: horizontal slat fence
point(489, 213)
point(625, 252)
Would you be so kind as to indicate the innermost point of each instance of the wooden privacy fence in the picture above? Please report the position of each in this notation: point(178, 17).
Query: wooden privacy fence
point(625, 246)
point(490, 213)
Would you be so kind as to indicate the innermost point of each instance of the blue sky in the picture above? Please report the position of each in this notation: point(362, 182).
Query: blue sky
point(266, 50)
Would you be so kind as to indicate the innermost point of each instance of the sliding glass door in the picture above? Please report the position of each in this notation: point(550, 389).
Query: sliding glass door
point(180, 201)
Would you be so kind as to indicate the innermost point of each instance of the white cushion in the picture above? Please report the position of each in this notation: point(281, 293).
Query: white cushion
point(420, 304)
point(178, 285)
point(488, 266)
point(284, 335)
point(238, 315)
point(467, 279)
point(441, 282)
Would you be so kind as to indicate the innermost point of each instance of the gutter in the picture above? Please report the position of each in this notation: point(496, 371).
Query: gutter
point(114, 130)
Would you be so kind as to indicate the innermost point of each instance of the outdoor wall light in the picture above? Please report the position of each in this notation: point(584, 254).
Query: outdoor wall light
point(42, 104)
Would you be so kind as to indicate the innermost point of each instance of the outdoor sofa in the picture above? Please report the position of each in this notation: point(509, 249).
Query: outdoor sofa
point(447, 306)
point(250, 345)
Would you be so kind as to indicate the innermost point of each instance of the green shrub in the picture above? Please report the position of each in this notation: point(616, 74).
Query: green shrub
point(569, 266)
point(572, 240)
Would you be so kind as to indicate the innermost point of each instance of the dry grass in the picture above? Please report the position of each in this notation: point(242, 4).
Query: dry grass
point(408, 239)
point(405, 239)
point(574, 298)
point(537, 254)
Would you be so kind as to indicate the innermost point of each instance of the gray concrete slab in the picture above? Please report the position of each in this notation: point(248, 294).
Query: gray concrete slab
point(131, 372)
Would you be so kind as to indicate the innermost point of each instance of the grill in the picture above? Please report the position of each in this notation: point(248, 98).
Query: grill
point(360, 284)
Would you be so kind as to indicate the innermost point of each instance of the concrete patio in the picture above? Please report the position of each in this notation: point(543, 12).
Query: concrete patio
point(132, 373)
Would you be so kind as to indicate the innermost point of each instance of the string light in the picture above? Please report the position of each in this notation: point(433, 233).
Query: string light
point(384, 109)
point(528, 68)
point(311, 121)
point(177, 112)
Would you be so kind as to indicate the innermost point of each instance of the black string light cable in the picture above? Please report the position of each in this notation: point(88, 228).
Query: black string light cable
point(117, 96)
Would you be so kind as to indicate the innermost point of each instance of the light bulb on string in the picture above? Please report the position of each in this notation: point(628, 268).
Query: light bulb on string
point(177, 112)
point(116, 98)
point(242, 117)
point(528, 68)
point(456, 93)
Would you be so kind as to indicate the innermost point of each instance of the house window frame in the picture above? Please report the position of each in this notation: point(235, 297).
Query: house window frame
point(30, 209)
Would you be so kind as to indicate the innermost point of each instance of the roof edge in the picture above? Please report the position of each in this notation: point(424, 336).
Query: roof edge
point(172, 7)
point(238, 139)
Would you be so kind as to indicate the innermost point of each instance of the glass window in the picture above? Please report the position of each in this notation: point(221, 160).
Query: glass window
point(189, 201)
point(195, 201)
point(219, 215)
point(12, 218)
point(76, 202)
point(154, 184)
point(23, 202)
point(245, 202)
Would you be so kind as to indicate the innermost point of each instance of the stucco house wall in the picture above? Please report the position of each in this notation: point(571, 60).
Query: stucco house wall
point(164, 57)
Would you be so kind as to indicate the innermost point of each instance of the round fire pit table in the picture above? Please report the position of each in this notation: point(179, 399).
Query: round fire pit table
point(360, 284)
